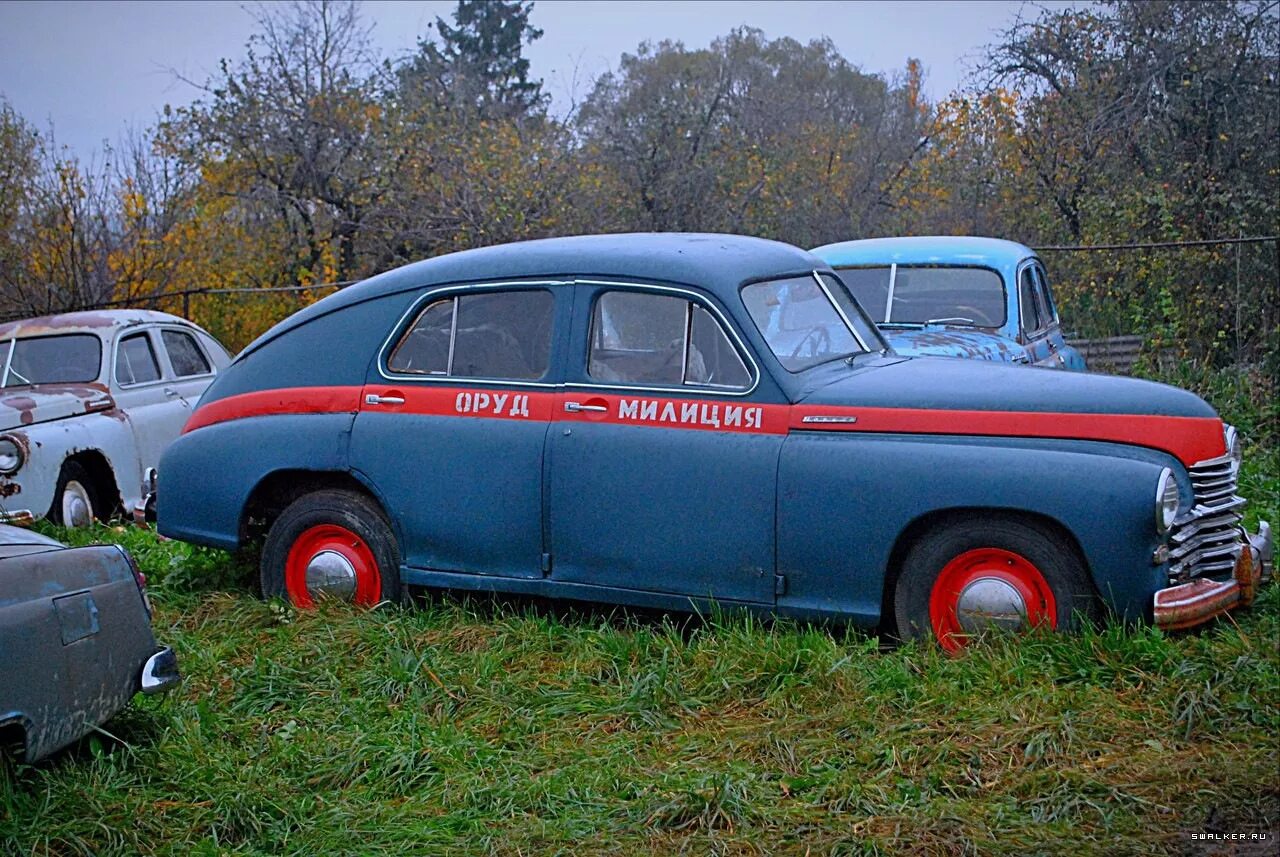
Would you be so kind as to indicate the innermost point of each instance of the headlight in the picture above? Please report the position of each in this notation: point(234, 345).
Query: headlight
point(1166, 501)
point(11, 456)
point(1235, 449)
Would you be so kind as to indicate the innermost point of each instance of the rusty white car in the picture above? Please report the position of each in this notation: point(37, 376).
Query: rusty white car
point(88, 402)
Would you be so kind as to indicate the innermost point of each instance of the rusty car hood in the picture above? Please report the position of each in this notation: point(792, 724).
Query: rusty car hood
point(25, 406)
point(981, 385)
point(945, 342)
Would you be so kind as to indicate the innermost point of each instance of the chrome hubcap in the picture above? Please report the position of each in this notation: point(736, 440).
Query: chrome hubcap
point(990, 601)
point(332, 574)
point(77, 510)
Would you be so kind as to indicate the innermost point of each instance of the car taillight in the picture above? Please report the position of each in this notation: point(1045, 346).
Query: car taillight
point(138, 578)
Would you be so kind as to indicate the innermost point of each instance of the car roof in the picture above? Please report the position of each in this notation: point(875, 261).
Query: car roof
point(718, 263)
point(925, 249)
point(89, 321)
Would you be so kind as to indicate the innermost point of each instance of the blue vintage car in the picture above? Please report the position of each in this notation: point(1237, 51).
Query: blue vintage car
point(950, 296)
point(639, 419)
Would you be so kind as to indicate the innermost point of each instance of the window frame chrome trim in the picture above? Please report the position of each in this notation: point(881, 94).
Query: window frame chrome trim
point(725, 324)
point(826, 290)
point(431, 294)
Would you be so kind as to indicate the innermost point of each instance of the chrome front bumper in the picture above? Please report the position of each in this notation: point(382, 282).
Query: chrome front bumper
point(1189, 604)
point(160, 672)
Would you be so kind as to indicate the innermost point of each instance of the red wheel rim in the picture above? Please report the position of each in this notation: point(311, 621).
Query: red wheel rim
point(331, 538)
point(987, 564)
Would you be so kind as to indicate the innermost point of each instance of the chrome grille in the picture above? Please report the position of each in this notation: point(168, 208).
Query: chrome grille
point(1205, 540)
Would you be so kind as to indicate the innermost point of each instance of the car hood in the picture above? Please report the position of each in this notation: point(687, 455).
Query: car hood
point(931, 395)
point(24, 406)
point(976, 385)
point(942, 342)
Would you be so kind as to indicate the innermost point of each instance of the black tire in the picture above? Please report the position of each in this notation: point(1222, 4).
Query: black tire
point(314, 512)
point(1044, 548)
point(73, 474)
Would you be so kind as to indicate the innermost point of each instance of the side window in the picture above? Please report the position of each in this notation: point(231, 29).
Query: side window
point(1028, 304)
point(184, 355)
point(136, 360)
point(501, 335)
point(645, 338)
point(1048, 311)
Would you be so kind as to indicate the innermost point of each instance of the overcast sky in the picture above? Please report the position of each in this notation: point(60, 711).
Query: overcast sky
point(92, 69)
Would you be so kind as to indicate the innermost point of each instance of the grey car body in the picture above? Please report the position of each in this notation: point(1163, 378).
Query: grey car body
point(75, 641)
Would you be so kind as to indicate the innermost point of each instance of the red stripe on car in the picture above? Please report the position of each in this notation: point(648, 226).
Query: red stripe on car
point(285, 400)
point(1190, 439)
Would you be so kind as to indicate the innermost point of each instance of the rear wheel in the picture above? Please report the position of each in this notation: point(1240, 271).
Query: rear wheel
point(983, 573)
point(75, 500)
point(334, 544)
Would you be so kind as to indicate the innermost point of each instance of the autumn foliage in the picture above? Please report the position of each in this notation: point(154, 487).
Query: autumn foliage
point(309, 161)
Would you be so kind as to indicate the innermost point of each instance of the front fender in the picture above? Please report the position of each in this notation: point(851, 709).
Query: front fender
point(844, 501)
point(48, 445)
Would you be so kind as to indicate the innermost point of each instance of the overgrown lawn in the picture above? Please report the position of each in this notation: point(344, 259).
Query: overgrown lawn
point(482, 726)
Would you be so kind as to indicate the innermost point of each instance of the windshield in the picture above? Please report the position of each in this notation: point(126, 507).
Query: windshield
point(73, 358)
point(902, 294)
point(801, 324)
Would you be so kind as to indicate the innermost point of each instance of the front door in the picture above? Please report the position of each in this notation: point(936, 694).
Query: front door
point(453, 423)
point(1034, 321)
point(663, 450)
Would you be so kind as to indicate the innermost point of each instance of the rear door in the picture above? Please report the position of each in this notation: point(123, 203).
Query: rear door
point(191, 368)
point(453, 423)
point(663, 450)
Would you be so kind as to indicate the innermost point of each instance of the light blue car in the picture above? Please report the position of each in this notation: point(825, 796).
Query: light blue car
point(956, 296)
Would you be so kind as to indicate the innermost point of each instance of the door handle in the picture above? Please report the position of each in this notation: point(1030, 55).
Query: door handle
point(375, 399)
point(576, 407)
point(170, 392)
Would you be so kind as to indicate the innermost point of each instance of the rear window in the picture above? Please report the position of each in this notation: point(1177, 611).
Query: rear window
point(73, 358)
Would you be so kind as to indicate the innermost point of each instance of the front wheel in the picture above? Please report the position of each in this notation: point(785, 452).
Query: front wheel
point(75, 502)
point(981, 572)
point(334, 544)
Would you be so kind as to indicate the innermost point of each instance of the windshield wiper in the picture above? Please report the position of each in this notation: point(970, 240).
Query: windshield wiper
point(952, 320)
point(900, 325)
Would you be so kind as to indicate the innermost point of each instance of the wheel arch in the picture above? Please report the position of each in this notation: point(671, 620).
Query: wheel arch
point(98, 466)
point(937, 519)
point(275, 491)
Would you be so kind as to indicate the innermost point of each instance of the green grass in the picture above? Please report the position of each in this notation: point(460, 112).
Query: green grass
point(505, 727)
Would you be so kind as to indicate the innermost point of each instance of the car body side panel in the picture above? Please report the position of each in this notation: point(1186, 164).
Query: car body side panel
point(207, 477)
point(660, 508)
point(330, 350)
point(839, 517)
point(465, 493)
point(74, 635)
